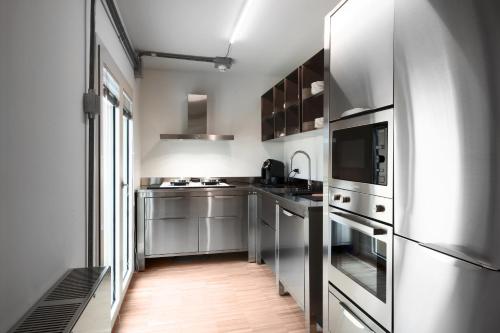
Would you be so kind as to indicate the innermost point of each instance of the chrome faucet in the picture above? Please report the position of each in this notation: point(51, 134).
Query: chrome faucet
point(309, 182)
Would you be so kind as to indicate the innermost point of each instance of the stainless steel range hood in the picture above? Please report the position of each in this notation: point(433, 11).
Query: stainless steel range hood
point(197, 123)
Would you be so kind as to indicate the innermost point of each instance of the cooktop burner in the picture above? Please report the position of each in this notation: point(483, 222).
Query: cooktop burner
point(210, 182)
point(194, 183)
point(179, 182)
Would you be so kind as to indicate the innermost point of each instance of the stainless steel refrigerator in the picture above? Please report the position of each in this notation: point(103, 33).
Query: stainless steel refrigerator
point(447, 166)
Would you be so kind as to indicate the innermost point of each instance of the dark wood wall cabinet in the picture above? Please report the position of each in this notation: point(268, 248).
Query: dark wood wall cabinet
point(295, 104)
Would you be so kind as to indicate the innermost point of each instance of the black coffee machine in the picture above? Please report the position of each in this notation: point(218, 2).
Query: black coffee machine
point(272, 173)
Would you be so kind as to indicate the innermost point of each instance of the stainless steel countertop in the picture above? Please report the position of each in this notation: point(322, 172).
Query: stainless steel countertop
point(292, 202)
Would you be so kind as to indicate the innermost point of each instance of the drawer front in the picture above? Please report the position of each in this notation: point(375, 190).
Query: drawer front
point(222, 234)
point(292, 254)
point(222, 206)
point(268, 211)
point(345, 317)
point(268, 245)
point(171, 236)
point(171, 207)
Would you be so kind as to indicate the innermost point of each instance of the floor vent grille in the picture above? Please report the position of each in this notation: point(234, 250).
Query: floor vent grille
point(60, 308)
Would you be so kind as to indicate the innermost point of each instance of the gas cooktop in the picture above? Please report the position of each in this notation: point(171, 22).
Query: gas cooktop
point(195, 183)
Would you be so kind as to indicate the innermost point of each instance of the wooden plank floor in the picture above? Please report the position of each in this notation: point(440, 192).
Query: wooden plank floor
point(218, 293)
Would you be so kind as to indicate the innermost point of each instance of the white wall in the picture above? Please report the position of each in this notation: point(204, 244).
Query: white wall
point(42, 144)
point(42, 148)
point(312, 145)
point(233, 108)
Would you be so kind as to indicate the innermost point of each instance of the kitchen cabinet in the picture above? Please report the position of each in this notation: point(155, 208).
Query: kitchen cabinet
point(291, 254)
point(171, 236)
point(222, 234)
point(267, 230)
point(290, 107)
point(345, 317)
point(221, 205)
point(268, 245)
point(279, 109)
point(312, 104)
point(175, 223)
point(168, 207)
point(267, 115)
point(292, 103)
point(222, 222)
point(361, 57)
point(268, 210)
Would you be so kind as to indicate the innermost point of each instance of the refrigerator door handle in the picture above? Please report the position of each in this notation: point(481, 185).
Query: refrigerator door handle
point(459, 255)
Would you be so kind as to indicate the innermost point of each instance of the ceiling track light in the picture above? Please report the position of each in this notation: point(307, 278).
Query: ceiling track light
point(240, 22)
point(221, 63)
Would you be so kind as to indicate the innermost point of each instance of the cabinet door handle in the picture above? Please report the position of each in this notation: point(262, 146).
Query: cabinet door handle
point(173, 198)
point(353, 111)
point(224, 196)
point(287, 213)
point(351, 316)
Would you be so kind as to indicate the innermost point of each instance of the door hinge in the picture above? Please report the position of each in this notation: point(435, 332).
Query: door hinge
point(91, 104)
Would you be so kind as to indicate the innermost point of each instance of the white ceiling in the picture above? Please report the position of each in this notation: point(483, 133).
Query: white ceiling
point(277, 37)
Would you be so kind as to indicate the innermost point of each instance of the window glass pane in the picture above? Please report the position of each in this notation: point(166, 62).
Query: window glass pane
point(126, 193)
point(110, 83)
point(108, 187)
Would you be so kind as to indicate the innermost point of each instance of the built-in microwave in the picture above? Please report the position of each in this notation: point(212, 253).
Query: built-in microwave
point(361, 150)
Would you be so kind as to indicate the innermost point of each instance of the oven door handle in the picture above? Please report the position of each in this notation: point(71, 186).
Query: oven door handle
point(366, 229)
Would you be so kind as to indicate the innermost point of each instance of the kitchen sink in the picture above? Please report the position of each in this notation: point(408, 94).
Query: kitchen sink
point(300, 192)
point(312, 196)
point(291, 190)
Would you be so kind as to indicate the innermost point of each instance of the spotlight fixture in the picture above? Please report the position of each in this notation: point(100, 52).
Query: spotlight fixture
point(223, 63)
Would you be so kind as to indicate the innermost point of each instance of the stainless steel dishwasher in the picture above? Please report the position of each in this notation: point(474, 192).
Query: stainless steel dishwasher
point(291, 260)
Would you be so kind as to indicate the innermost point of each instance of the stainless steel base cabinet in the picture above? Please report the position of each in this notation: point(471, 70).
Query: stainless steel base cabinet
point(434, 292)
point(291, 261)
point(268, 245)
point(171, 236)
point(345, 317)
point(222, 234)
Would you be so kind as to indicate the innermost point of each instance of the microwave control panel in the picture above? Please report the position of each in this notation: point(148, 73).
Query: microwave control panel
point(381, 154)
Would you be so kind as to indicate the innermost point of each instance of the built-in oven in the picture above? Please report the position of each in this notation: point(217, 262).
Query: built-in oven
point(360, 262)
point(361, 150)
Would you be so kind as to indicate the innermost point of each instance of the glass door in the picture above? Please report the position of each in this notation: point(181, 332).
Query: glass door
point(116, 245)
point(109, 129)
point(126, 175)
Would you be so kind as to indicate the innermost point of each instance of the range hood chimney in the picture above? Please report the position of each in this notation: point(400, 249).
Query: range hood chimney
point(197, 122)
